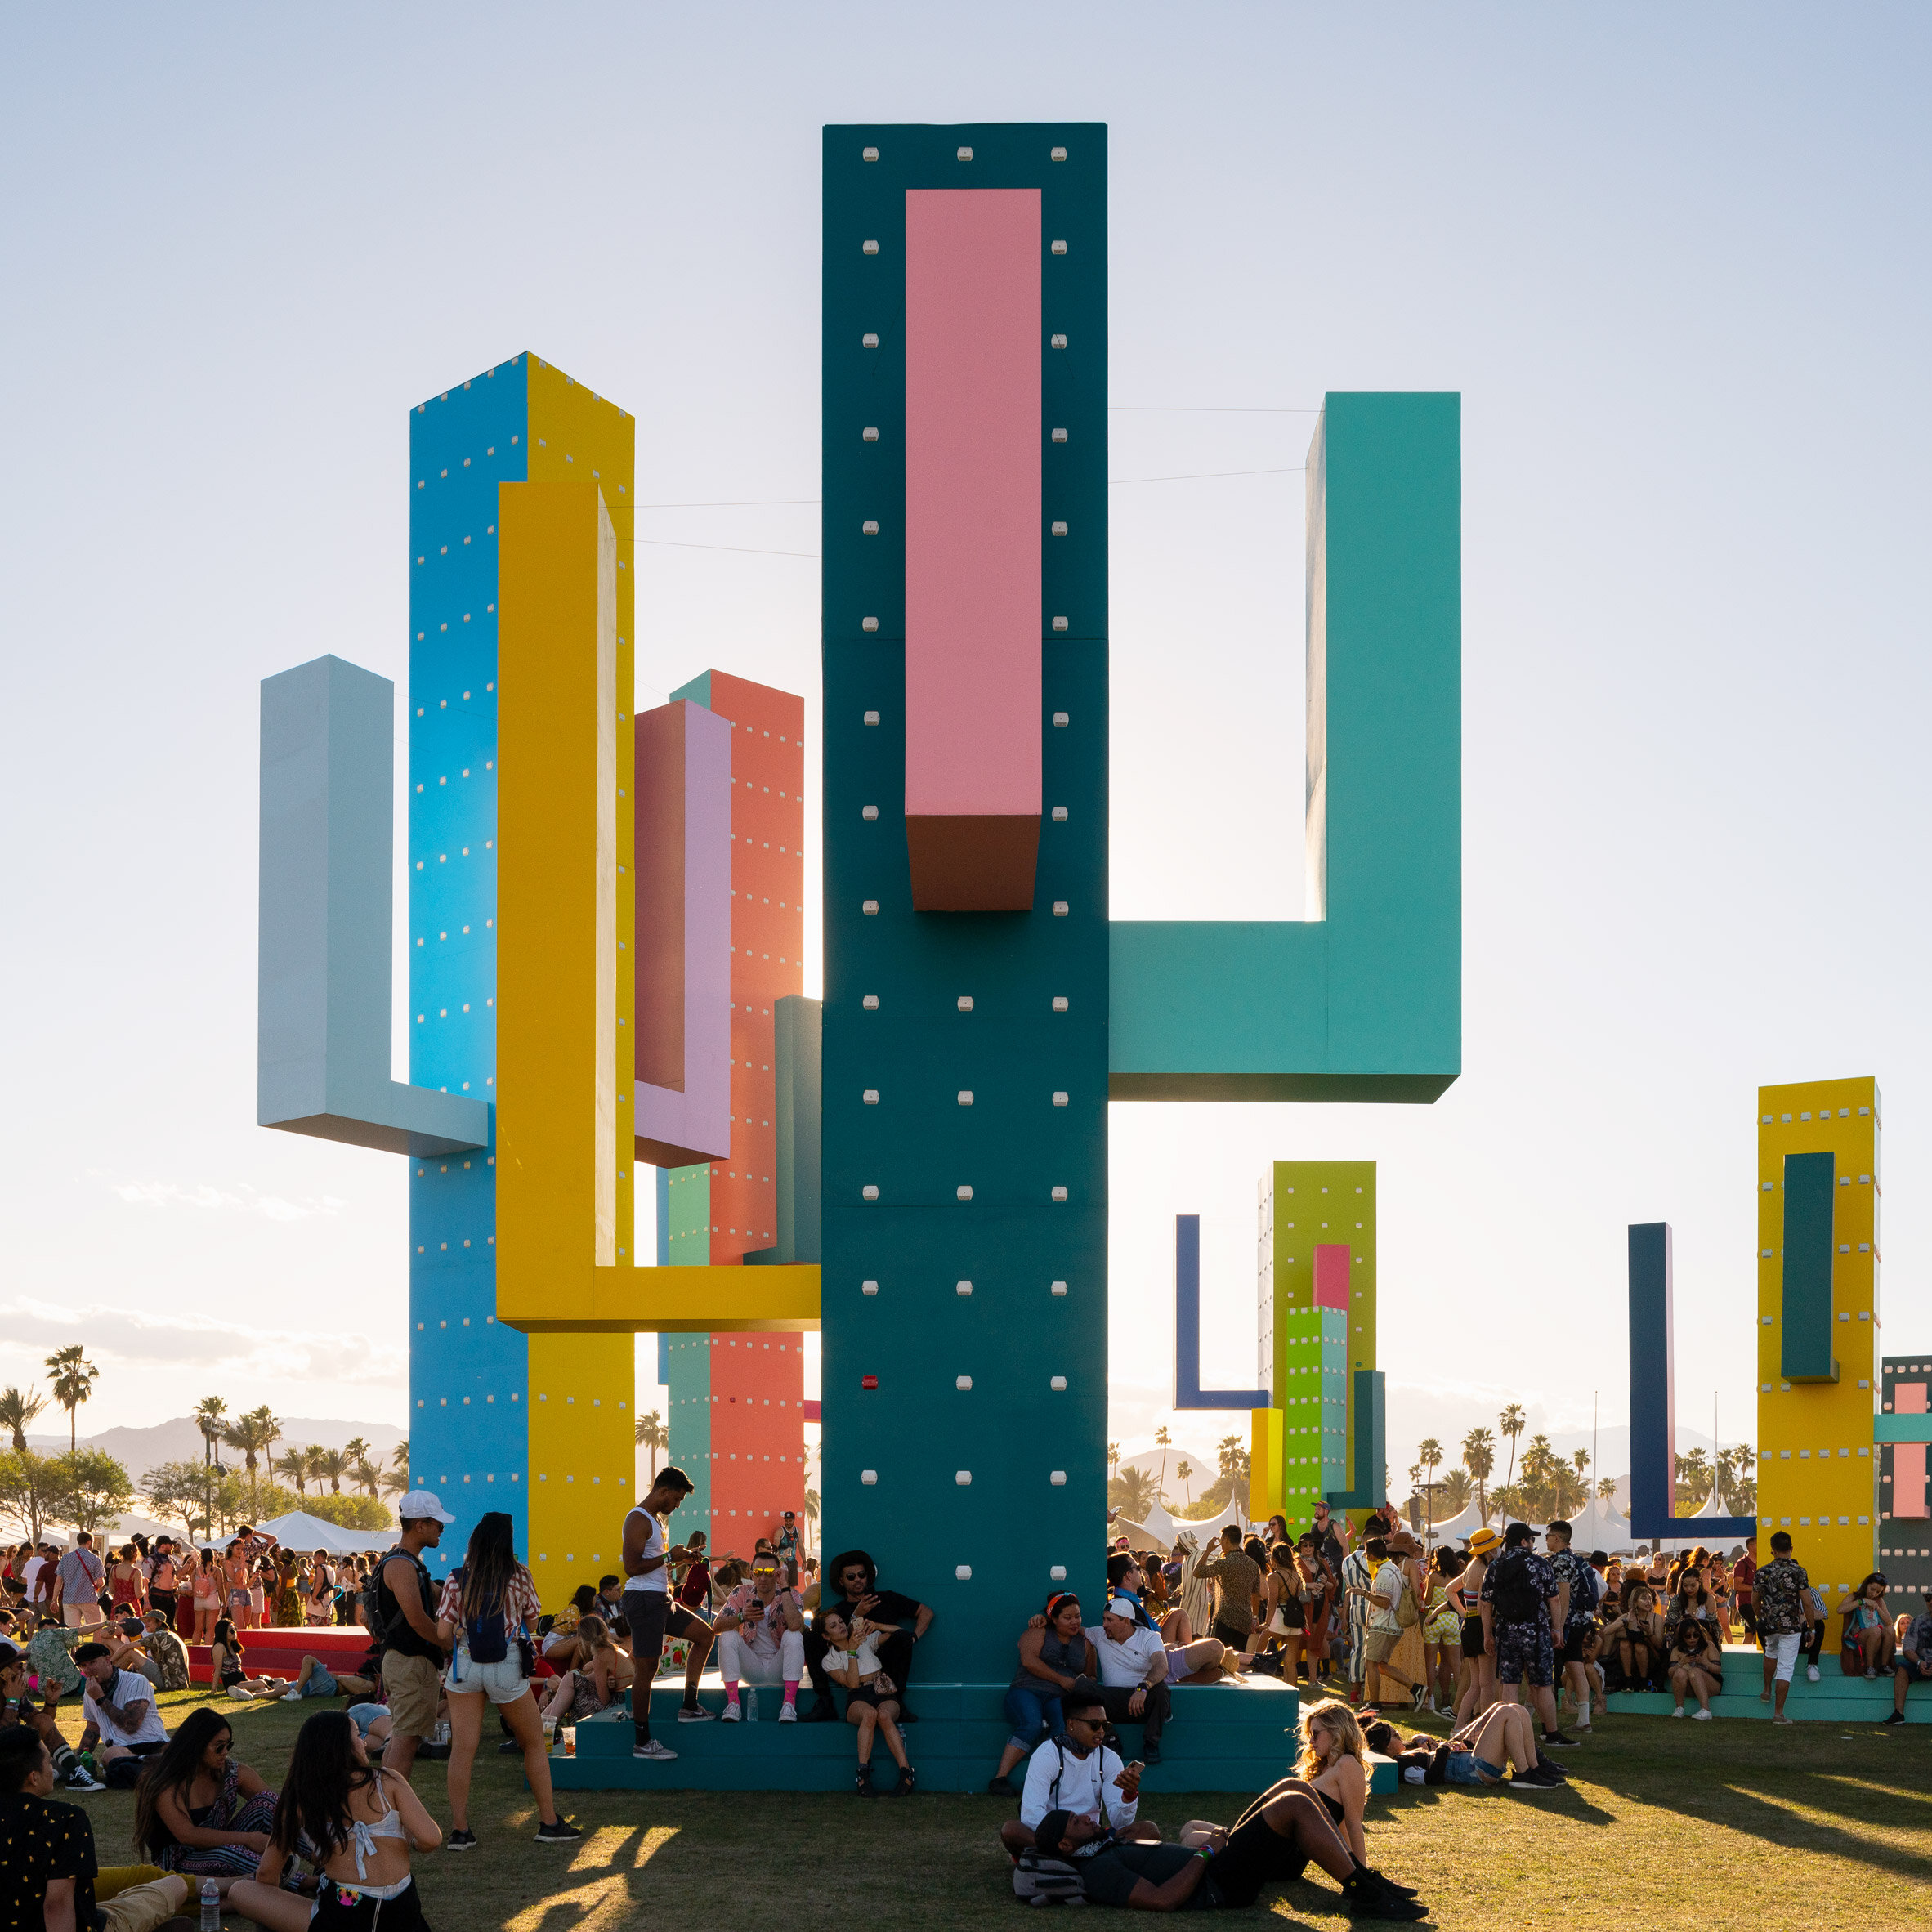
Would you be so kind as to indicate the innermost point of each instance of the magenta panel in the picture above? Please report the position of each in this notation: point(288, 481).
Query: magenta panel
point(683, 885)
point(1908, 1459)
point(972, 502)
point(1331, 1275)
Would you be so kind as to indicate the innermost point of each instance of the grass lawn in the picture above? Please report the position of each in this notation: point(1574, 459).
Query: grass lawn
point(1713, 1825)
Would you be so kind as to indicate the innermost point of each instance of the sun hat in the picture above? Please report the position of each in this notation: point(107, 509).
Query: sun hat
point(1484, 1540)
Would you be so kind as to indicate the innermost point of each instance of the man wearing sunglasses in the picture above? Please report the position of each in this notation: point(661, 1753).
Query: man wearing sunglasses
point(1079, 1774)
point(1913, 1664)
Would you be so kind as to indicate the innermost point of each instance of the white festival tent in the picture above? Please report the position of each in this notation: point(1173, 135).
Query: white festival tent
point(298, 1530)
point(1158, 1532)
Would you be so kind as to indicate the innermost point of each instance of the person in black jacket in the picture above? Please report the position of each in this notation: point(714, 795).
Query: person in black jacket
point(854, 1577)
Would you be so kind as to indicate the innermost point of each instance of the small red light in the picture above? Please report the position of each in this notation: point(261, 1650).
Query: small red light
point(868, 1381)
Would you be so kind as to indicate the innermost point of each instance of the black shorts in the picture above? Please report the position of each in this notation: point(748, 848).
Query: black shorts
point(1233, 1638)
point(867, 1693)
point(340, 1910)
point(653, 1616)
point(124, 1774)
point(1471, 1636)
point(1256, 1854)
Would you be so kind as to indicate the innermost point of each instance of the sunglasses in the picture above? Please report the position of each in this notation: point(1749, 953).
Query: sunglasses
point(1096, 1724)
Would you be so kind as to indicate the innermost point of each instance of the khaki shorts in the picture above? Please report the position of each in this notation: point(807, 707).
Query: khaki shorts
point(1380, 1646)
point(80, 1616)
point(410, 1685)
point(141, 1908)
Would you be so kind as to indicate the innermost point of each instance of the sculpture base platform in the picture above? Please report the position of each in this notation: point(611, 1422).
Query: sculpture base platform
point(1221, 1737)
point(1834, 1699)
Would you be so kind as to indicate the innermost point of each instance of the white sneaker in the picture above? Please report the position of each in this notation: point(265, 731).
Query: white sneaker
point(654, 1749)
point(788, 1714)
point(291, 1697)
point(732, 1714)
point(695, 1713)
point(1705, 1715)
point(1811, 1671)
point(1678, 1712)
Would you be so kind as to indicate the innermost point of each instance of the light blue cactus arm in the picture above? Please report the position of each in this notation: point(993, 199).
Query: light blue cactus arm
point(1363, 1001)
point(323, 1021)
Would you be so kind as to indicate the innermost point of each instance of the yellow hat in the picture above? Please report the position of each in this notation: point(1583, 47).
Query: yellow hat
point(1483, 1542)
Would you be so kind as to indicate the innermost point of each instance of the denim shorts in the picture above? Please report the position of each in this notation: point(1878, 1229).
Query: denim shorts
point(504, 1683)
point(362, 1716)
point(1466, 1768)
point(320, 1683)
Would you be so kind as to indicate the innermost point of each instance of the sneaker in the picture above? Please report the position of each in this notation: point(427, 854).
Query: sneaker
point(81, 1779)
point(1369, 1898)
point(999, 1787)
point(654, 1749)
point(695, 1714)
point(1150, 1754)
point(1871, 1673)
point(907, 1716)
point(1706, 1715)
point(823, 1711)
point(294, 1697)
point(1898, 1717)
point(460, 1841)
point(562, 1832)
point(1678, 1712)
point(1781, 1719)
point(1549, 1767)
point(1765, 1696)
point(787, 1713)
point(1389, 1885)
point(1534, 1781)
point(1811, 1672)
point(1561, 1740)
point(732, 1713)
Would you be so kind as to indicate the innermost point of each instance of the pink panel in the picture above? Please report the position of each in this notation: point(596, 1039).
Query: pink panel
point(972, 502)
point(1909, 1481)
point(1908, 1399)
point(1331, 1275)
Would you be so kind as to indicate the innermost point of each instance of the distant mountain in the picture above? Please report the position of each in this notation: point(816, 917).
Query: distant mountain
point(142, 1449)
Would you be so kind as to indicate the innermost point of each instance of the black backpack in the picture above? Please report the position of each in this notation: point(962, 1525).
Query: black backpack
point(1514, 1596)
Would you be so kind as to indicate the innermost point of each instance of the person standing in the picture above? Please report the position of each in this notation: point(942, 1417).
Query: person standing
point(406, 1629)
point(78, 1578)
point(1580, 1580)
point(1743, 1586)
point(1237, 1577)
point(1477, 1691)
point(652, 1614)
point(1523, 1605)
point(161, 1571)
point(483, 1618)
point(786, 1545)
point(1778, 1593)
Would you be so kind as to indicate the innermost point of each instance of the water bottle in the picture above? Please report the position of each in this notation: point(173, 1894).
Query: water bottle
point(211, 1905)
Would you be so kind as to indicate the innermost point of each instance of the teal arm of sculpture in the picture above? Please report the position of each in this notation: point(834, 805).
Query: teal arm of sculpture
point(1362, 1000)
point(323, 1018)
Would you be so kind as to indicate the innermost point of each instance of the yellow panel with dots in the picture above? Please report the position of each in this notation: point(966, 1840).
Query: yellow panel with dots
point(1818, 1471)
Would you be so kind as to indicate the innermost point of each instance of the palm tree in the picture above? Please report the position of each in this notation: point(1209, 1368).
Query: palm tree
point(654, 1436)
point(252, 1434)
point(293, 1463)
point(16, 1411)
point(1162, 1441)
point(394, 1482)
point(1479, 1458)
point(1113, 1459)
point(1136, 1491)
point(1512, 1422)
point(333, 1464)
point(811, 1503)
point(1430, 1457)
point(210, 1414)
point(1183, 1474)
point(364, 1474)
point(73, 1382)
point(1456, 1487)
point(1606, 1489)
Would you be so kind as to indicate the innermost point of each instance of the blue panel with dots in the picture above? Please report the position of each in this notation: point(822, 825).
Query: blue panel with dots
point(468, 1374)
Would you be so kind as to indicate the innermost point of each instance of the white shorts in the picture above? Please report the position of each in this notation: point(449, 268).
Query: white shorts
point(1783, 1649)
point(503, 1683)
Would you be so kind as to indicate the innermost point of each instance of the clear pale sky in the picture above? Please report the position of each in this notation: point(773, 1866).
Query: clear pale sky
point(1675, 264)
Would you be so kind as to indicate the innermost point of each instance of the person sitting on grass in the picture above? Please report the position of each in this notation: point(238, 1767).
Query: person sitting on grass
point(1912, 1662)
point(231, 1674)
point(1868, 1642)
point(1696, 1664)
point(51, 1645)
point(122, 1719)
point(18, 1710)
point(315, 1679)
point(198, 1809)
point(1214, 1867)
point(871, 1698)
point(51, 1870)
point(1477, 1753)
point(1079, 1773)
point(167, 1651)
point(363, 1821)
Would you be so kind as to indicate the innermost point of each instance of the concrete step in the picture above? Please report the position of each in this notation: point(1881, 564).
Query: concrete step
point(1834, 1699)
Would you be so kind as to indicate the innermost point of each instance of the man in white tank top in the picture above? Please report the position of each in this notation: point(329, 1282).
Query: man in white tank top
point(650, 1612)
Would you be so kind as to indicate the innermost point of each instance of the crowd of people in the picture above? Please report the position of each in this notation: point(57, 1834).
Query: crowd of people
point(1491, 1634)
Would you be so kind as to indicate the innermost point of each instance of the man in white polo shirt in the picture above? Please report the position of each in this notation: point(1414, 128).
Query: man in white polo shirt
point(121, 1715)
point(1133, 1674)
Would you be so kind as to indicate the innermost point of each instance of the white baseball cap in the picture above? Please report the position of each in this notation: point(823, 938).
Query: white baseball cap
point(1122, 1606)
point(423, 1502)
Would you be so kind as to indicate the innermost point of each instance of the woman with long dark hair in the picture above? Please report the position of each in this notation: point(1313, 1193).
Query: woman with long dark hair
point(484, 1615)
point(363, 1822)
point(196, 1809)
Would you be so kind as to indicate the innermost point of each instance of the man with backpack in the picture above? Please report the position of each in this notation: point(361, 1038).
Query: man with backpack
point(1522, 1605)
point(1081, 1774)
point(1583, 1591)
point(406, 1629)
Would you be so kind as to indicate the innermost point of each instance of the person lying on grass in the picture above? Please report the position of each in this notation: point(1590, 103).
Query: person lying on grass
point(1501, 1738)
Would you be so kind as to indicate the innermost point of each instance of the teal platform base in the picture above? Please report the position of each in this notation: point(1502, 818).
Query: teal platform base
point(1834, 1699)
point(1221, 1737)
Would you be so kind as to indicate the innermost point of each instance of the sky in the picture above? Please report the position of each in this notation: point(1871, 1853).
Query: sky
point(1674, 263)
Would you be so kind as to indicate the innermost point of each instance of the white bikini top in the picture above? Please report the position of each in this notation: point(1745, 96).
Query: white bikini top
point(362, 1838)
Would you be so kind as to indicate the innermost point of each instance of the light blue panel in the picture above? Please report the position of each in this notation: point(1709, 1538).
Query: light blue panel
point(1902, 1428)
point(688, 1365)
point(1363, 1001)
point(468, 1376)
point(798, 1036)
point(322, 1016)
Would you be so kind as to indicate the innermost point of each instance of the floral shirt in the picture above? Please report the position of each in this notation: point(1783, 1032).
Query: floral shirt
point(51, 1651)
point(1569, 1567)
point(1540, 1578)
point(1780, 1587)
point(762, 1625)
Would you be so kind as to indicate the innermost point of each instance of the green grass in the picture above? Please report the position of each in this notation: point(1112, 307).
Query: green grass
point(1665, 1825)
